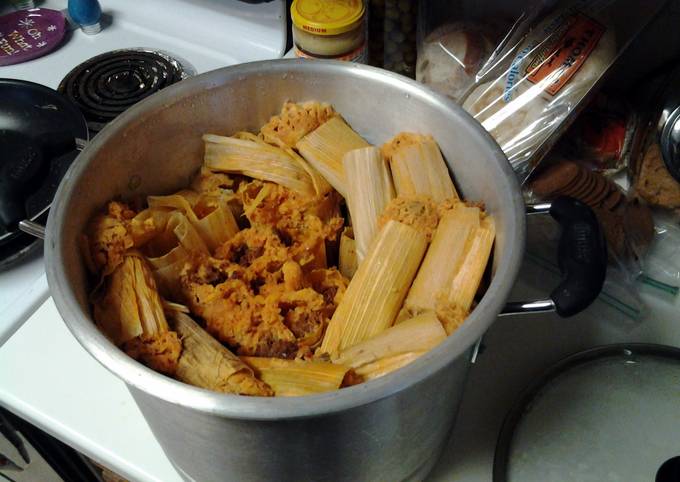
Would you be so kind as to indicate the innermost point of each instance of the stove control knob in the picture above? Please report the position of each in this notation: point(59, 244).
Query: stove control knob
point(87, 14)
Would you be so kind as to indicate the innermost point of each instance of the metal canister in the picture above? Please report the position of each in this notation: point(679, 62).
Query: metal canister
point(668, 125)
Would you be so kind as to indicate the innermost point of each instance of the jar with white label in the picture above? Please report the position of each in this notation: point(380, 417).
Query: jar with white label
point(330, 29)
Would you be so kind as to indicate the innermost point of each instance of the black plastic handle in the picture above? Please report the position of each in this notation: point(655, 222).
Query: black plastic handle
point(582, 256)
point(21, 166)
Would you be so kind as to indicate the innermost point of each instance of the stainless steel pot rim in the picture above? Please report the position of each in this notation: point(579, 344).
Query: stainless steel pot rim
point(260, 408)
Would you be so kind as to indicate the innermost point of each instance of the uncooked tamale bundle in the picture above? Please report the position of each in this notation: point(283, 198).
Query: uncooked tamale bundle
point(369, 190)
point(394, 347)
point(206, 363)
point(377, 290)
point(130, 313)
point(454, 304)
point(418, 167)
point(443, 259)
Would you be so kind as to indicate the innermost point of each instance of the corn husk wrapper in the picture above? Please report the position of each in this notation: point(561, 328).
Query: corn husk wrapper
point(348, 262)
point(130, 305)
point(386, 365)
point(325, 147)
point(292, 378)
point(443, 259)
point(454, 304)
point(376, 292)
point(215, 228)
point(321, 186)
point(171, 248)
point(369, 190)
point(418, 167)
point(394, 347)
point(257, 160)
point(206, 363)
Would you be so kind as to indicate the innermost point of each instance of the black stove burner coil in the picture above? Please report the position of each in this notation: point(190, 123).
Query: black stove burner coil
point(105, 86)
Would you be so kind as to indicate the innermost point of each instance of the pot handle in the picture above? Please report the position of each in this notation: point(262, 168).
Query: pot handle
point(582, 259)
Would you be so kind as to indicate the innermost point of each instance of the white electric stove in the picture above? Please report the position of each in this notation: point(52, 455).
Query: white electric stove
point(202, 34)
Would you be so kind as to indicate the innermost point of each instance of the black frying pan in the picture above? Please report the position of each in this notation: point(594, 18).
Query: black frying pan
point(40, 132)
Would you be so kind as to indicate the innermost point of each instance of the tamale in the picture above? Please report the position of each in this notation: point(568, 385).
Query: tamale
point(206, 363)
point(130, 313)
point(325, 147)
point(453, 305)
point(256, 160)
point(369, 190)
point(348, 262)
point(295, 121)
point(418, 167)
point(386, 351)
point(443, 259)
point(130, 306)
point(291, 378)
point(378, 288)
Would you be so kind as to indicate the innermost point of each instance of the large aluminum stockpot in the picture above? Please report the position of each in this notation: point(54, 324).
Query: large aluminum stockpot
point(389, 429)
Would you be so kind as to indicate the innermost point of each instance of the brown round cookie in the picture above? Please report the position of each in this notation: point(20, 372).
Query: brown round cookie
point(598, 192)
point(554, 178)
point(613, 199)
point(585, 188)
point(578, 179)
point(603, 192)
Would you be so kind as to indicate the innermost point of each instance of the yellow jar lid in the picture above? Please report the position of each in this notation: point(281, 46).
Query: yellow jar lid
point(327, 17)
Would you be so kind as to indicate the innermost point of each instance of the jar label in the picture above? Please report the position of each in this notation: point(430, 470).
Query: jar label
point(358, 55)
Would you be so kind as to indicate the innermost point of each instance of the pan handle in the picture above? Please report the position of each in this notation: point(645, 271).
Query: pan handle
point(30, 226)
point(34, 229)
point(582, 258)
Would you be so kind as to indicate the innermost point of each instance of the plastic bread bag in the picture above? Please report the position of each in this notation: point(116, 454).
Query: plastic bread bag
point(551, 73)
point(450, 56)
point(662, 261)
point(458, 41)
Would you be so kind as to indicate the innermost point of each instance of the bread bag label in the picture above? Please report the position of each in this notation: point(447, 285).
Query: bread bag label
point(559, 60)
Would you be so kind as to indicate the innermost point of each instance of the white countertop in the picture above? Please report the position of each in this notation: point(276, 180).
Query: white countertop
point(49, 379)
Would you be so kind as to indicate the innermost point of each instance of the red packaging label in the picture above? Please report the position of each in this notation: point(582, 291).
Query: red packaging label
point(562, 59)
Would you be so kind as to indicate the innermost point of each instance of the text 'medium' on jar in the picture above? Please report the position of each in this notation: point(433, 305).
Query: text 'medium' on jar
point(330, 29)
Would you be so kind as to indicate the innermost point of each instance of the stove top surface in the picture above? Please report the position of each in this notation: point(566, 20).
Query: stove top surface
point(172, 39)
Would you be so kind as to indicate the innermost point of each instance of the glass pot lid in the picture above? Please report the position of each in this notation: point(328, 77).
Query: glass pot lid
point(610, 413)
